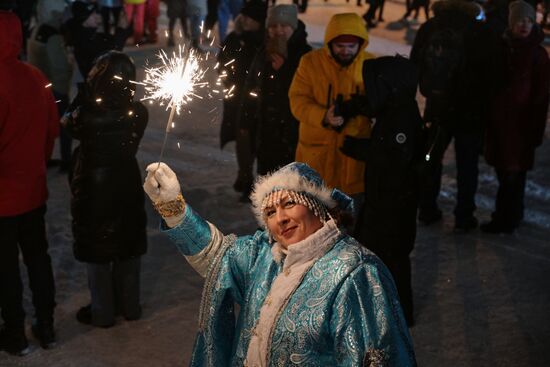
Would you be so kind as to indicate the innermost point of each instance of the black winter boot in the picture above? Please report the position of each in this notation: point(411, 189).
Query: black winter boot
point(45, 333)
point(14, 341)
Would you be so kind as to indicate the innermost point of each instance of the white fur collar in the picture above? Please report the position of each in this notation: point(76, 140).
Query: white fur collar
point(313, 247)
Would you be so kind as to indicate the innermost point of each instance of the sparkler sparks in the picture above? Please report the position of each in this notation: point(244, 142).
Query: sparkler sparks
point(174, 82)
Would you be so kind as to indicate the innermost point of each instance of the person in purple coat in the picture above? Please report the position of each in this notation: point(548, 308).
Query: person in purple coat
point(518, 116)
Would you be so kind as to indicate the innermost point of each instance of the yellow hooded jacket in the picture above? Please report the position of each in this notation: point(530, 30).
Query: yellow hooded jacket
point(319, 146)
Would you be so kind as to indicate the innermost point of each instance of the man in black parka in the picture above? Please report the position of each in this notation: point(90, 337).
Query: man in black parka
point(458, 109)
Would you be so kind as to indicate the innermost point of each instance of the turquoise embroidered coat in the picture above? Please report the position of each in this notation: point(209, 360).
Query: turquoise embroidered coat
point(343, 312)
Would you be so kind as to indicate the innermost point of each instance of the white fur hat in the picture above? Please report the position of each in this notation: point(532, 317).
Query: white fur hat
point(300, 178)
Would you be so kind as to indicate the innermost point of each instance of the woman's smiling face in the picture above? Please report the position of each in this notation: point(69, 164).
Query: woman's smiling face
point(290, 222)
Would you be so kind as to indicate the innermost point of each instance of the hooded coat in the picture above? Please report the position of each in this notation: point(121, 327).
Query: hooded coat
point(29, 124)
point(277, 130)
point(318, 74)
point(107, 202)
point(519, 111)
point(387, 220)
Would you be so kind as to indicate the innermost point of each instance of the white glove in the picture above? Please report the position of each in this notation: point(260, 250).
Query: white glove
point(161, 183)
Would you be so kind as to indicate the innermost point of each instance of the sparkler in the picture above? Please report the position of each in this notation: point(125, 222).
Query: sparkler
point(174, 82)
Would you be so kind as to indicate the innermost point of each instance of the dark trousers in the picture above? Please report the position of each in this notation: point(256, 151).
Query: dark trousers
point(374, 5)
point(106, 17)
point(26, 232)
point(389, 230)
point(301, 4)
point(400, 268)
point(371, 12)
point(65, 139)
point(114, 289)
point(467, 149)
point(245, 157)
point(509, 201)
point(212, 14)
point(172, 24)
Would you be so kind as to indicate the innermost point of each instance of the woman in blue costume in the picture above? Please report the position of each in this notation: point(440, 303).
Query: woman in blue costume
point(308, 293)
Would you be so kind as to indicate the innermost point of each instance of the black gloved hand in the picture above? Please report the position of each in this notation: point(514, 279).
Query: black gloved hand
point(355, 106)
point(356, 148)
point(350, 108)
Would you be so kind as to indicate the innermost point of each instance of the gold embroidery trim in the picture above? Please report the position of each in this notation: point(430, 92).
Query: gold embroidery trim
point(171, 208)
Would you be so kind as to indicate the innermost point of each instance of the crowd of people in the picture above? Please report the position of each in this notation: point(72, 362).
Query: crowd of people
point(333, 153)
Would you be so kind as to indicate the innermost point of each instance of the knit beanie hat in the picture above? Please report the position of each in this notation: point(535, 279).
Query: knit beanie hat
point(304, 185)
point(520, 9)
point(255, 9)
point(283, 14)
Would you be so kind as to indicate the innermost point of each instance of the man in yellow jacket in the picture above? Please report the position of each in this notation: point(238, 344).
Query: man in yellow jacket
point(324, 76)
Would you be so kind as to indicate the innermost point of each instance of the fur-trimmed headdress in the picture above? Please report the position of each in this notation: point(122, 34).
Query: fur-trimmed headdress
point(304, 184)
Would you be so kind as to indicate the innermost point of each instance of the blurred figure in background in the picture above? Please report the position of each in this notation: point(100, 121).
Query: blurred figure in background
point(196, 12)
point(302, 4)
point(211, 14)
point(25, 11)
point(272, 70)
point(46, 50)
point(227, 10)
point(415, 6)
point(370, 14)
point(176, 9)
point(109, 8)
point(518, 115)
point(84, 35)
point(240, 112)
point(29, 124)
point(456, 55)
point(496, 13)
point(152, 13)
point(135, 11)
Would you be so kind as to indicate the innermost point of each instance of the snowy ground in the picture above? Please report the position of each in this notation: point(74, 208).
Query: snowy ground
point(481, 300)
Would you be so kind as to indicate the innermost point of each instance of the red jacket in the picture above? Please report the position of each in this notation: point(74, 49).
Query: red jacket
point(29, 124)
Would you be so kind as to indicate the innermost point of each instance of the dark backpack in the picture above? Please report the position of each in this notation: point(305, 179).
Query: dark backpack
point(441, 60)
